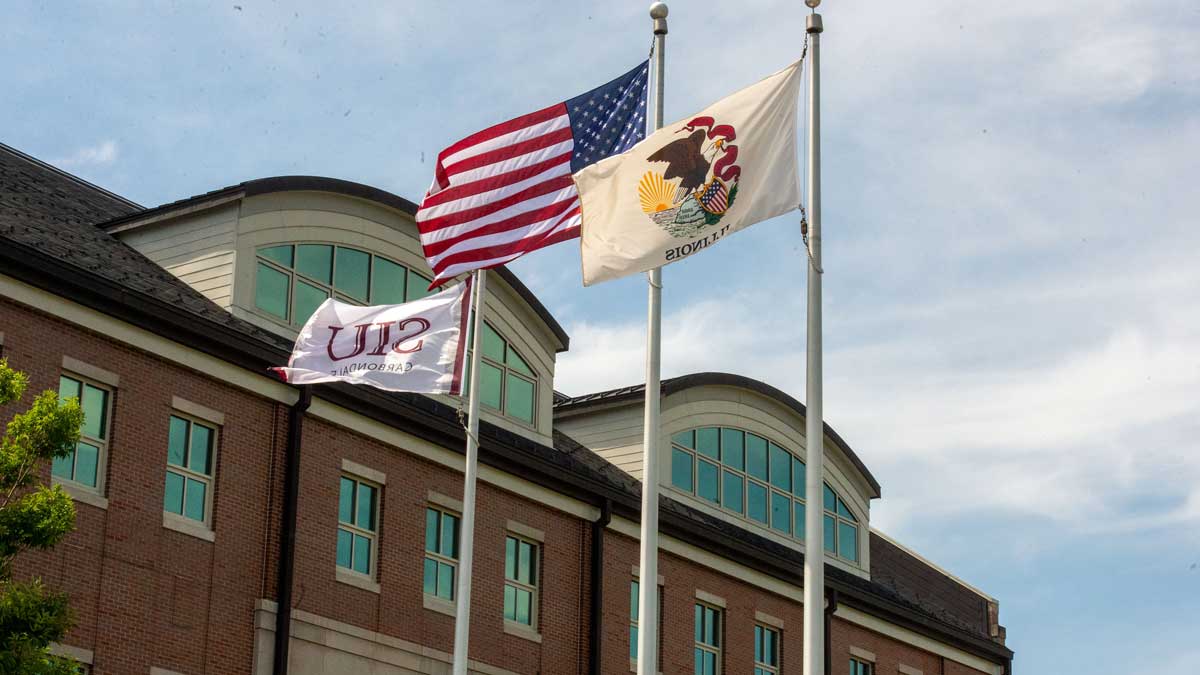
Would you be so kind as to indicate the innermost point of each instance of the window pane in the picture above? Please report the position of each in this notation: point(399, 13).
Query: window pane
point(681, 469)
point(387, 283)
point(519, 398)
point(68, 388)
point(710, 663)
point(352, 273)
point(87, 457)
point(510, 603)
point(781, 468)
point(756, 456)
point(271, 291)
point(345, 543)
point(733, 451)
point(699, 623)
point(525, 563)
point(346, 501)
point(798, 517)
point(758, 644)
point(177, 436)
point(510, 558)
point(431, 530)
point(517, 363)
point(362, 554)
point(315, 261)
point(710, 626)
point(524, 607)
point(698, 669)
point(418, 287)
point(449, 542)
point(732, 487)
point(366, 507)
point(193, 503)
point(830, 499)
point(781, 512)
point(633, 601)
point(445, 581)
point(308, 299)
point(756, 502)
point(280, 254)
point(493, 344)
point(489, 385)
point(706, 442)
point(430, 576)
point(633, 640)
point(848, 541)
point(844, 510)
point(706, 480)
point(64, 467)
point(799, 476)
point(199, 459)
point(94, 403)
point(173, 495)
point(830, 533)
point(687, 439)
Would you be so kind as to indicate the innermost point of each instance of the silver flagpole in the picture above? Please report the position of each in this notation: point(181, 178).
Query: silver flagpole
point(648, 578)
point(462, 595)
point(814, 432)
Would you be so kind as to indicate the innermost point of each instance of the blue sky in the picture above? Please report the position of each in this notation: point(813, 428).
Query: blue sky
point(1011, 243)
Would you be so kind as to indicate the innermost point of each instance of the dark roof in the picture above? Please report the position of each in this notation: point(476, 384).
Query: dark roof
point(46, 223)
point(674, 384)
point(263, 186)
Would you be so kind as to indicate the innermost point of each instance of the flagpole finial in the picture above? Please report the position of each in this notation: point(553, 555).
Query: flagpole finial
point(658, 12)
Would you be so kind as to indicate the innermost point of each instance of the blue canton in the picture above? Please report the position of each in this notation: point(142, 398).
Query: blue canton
point(609, 119)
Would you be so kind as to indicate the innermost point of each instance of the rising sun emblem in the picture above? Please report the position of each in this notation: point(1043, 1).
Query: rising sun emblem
point(699, 183)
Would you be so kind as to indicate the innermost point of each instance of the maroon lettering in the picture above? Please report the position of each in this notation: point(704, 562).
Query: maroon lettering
point(360, 341)
point(383, 338)
point(424, 326)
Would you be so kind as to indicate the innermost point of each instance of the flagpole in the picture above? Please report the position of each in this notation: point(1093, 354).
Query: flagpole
point(647, 650)
point(462, 595)
point(814, 436)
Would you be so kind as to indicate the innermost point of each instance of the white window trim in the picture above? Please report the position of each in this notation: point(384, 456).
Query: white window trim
point(759, 665)
point(862, 654)
point(357, 579)
point(178, 523)
point(504, 370)
point(109, 379)
point(367, 473)
point(368, 581)
point(200, 412)
point(719, 649)
point(73, 487)
point(522, 631)
point(710, 599)
point(526, 531)
point(210, 481)
point(441, 603)
point(768, 620)
point(535, 588)
point(448, 503)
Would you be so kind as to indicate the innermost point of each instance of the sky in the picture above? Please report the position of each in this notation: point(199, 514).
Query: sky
point(1011, 249)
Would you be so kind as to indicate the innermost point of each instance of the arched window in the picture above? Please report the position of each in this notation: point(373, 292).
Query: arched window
point(292, 280)
point(506, 382)
point(758, 480)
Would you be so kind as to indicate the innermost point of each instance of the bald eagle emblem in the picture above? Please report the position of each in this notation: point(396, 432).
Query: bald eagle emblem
point(698, 182)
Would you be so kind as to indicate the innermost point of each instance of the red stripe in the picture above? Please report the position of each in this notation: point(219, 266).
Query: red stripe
point(519, 246)
point(460, 356)
point(510, 151)
point(488, 134)
point(456, 192)
point(516, 222)
point(457, 218)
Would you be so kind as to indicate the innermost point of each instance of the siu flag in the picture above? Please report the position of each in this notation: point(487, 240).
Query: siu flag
point(507, 190)
point(418, 346)
point(693, 182)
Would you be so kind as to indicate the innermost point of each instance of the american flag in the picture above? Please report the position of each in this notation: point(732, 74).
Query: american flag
point(507, 190)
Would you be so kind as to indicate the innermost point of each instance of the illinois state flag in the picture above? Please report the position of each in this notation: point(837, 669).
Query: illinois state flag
point(418, 346)
point(693, 182)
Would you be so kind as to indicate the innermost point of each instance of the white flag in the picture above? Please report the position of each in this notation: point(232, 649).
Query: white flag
point(691, 183)
point(419, 346)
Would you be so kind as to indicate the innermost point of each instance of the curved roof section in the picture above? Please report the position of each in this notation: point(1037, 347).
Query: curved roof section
point(674, 384)
point(262, 186)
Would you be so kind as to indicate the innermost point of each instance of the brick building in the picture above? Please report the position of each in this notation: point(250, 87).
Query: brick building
point(210, 495)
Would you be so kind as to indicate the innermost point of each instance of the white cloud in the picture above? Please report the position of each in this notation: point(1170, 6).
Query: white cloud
point(105, 152)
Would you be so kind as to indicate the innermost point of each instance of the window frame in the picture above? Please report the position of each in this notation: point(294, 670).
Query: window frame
point(698, 645)
point(330, 288)
point(762, 667)
point(354, 529)
point(635, 600)
point(102, 445)
point(506, 371)
point(210, 481)
point(441, 558)
point(838, 520)
point(533, 587)
point(864, 667)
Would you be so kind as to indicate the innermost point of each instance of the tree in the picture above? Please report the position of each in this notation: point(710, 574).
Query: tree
point(33, 516)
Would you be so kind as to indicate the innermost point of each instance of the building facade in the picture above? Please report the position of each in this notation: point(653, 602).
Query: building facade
point(230, 523)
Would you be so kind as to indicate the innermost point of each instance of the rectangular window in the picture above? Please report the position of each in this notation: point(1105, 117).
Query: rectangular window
point(191, 446)
point(441, 552)
point(84, 465)
point(358, 521)
point(766, 651)
point(520, 580)
point(708, 640)
point(635, 590)
point(861, 667)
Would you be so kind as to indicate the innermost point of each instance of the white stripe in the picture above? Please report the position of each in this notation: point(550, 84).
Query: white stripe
point(498, 238)
point(512, 137)
point(458, 268)
point(513, 163)
point(484, 198)
point(503, 214)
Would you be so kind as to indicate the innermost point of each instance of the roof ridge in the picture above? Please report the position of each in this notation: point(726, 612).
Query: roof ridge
point(69, 176)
